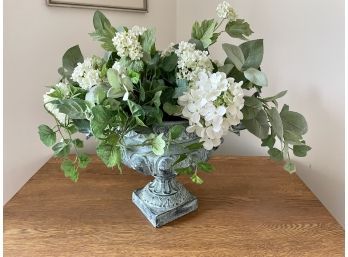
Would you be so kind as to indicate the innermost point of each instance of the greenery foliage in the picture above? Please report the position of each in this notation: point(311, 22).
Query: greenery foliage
point(146, 93)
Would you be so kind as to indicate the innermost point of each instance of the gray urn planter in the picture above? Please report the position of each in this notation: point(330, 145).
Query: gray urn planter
point(164, 199)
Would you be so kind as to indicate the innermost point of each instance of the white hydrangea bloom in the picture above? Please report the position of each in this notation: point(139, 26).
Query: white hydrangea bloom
point(85, 74)
point(191, 61)
point(64, 90)
point(225, 11)
point(212, 106)
point(127, 43)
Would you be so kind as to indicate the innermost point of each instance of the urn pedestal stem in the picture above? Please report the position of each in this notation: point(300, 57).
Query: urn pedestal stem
point(164, 199)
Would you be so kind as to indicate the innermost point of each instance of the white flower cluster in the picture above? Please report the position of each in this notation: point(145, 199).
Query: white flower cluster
point(127, 43)
point(212, 105)
point(191, 61)
point(85, 74)
point(64, 91)
point(225, 11)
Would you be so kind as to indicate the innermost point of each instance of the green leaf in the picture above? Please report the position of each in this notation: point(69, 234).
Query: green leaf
point(251, 108)
point(256, 77)
point(99, 121)
point(83, 126)
point(171, 109)
point(156, 100)
point(301, 150)
point(194, 146)
point(75, 108)
point(182, 87)
point(148, 39)
point(204, 32)
point(275, 97)
point(289, 167)
point(253, 53)
point(238, 29)
point(204, 166)
point(227, 68)
point(114, 79)
point(276, 122)
point(47, 135)
point(275, 154)
point(69, 169)
point(176, 131)
point(115, 92)
point(96, 95)
point(196, 179)
point(110, 154)
point(184, 171)
point(235, 54)
point(259, 125)
point(269, 141)
point(84, 160)
point(135, 109)
point(61, 149)
point(294, 122)
point(78, 143)
point(104, 32)
point(169, 62)
point(70, 59)
point(180, 159)
point(158, 144)
point(292, 138)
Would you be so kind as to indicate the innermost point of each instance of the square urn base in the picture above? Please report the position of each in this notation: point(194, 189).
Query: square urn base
point(160, 216)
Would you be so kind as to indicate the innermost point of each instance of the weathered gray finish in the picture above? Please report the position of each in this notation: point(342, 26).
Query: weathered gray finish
point(164, 199)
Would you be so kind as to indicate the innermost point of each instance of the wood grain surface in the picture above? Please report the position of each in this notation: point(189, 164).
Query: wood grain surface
point(248, 207)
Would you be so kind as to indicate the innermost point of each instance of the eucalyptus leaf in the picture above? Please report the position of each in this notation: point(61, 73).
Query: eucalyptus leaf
point(251, 108)
point(259, 125)
point(256, 77)
point(253, 53)
point(301, 150)
point(276, 122)
point(235, 54)
point(226, 68)
point(275, 154)
point(275, 97)
point(294, 122)
point(70, 59)
point(104, 32)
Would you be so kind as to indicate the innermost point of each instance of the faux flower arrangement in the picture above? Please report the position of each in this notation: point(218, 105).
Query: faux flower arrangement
point(135, 86)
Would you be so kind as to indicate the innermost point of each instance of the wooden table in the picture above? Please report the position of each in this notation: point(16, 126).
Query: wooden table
point(248, 207)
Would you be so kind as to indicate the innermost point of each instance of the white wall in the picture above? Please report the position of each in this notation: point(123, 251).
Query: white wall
point(35, 38)
point(304, 52)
